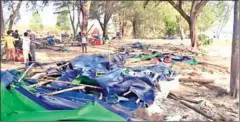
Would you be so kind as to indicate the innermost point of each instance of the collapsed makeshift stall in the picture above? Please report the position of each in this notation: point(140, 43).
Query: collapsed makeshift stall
point(96, 87)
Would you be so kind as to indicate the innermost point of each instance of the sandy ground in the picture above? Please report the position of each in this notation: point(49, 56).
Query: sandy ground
point(217, 66)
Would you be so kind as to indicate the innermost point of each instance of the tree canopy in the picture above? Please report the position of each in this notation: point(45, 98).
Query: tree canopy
point(36, 22)
point(63, 22)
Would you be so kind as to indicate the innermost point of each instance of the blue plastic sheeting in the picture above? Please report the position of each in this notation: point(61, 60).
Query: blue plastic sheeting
point(174, 57)
point(9, 76)
point(100, 62)
point(95, 61)
point(60, 103)
point(51, 41)
point(139, 45)
point(65, 101)
point(162, 70)
point(67, 76)
point(115, 82)
point(6, 78)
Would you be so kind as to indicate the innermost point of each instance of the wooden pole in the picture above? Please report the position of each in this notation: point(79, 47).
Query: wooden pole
point(66, 90)
point(64, 82)
point(26, 72)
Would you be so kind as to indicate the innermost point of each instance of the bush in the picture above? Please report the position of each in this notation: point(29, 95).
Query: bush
point(204, 40)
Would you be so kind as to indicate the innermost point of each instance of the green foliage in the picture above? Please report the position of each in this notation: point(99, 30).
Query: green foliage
point(204, 40)
point(63, 22)
point(160, 19)
point(214, 13)
point(36, 22)
point(171, 27)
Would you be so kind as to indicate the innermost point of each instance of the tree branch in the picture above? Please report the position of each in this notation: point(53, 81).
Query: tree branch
point(146, 3)
point(180, 3)
point(180, 10)
point(200, 6)
point(100, 23)
point(192, 11)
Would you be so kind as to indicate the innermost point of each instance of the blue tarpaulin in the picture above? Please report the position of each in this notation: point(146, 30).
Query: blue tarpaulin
point(115, 82)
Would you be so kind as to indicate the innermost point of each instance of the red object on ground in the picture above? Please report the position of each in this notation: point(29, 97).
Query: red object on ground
point(167, 60)
point(97, 42)
point(155, 61)
point(19, 56)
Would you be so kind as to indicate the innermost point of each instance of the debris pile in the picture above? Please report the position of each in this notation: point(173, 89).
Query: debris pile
point(90, 83)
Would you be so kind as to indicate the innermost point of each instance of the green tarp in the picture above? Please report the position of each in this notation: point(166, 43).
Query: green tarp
point(148, 57)
point(85, 80)
point(17, 107)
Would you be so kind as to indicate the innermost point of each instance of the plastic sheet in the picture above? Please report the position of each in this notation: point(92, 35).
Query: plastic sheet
point(115, 81)
point(24, 106)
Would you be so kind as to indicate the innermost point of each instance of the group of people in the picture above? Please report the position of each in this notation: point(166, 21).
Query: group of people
point(28, 45)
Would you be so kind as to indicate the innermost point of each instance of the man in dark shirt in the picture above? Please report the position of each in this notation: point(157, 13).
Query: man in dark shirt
point(32, 46)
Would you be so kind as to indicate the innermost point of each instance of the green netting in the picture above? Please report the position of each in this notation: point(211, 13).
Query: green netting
point(84, 80)
point(17, 107)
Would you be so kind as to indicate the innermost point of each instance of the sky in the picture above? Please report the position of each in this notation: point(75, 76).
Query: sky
point(49, 19)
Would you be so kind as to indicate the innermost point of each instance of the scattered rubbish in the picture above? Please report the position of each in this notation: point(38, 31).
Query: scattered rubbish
point(139, 45)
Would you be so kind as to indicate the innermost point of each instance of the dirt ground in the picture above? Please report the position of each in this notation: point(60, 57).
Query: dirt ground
point(215, 64)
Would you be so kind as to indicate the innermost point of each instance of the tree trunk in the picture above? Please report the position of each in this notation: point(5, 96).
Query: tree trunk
point(234, 79)
point(107, 17)
point(123, 25)
point(85, 10)
point(134, 29)
point(72, 20)
point(79, 13)
point(105, 30)
point(13, 15)
point(196, 8)
point(181, 32)
point(193, 32)
point(120, 22)
point(1, 20)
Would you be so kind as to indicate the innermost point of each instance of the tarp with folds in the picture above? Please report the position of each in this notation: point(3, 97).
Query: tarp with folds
point(186, 59)
point(100, 62)
point(18, 107)
point(115, 82)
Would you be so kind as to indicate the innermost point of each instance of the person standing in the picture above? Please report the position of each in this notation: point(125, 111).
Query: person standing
point(32, 45)
point(26, 47)
point(84, 42)
point(79, 37)
point(9, 44)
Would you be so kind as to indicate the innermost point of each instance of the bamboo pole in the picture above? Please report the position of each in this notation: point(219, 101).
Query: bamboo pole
point(56, 81)
point(26, 72)
point(66, 90)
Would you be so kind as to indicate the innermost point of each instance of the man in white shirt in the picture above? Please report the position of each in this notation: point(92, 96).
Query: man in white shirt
point(84, 43)
point(26, 47)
